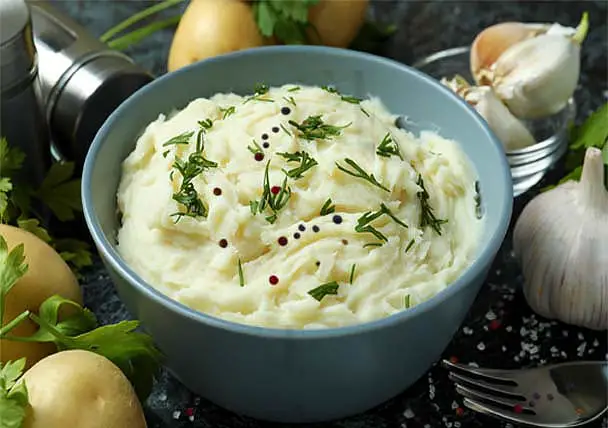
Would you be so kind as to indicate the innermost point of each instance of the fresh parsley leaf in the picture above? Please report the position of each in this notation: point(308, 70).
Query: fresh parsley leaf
point(286, 20)
point(5, 187)
point(59, 192)
point(13, 394)
point(330, 288)
point(11, 159)
point(593, 132)
point(12, 267)
point(32, 225)
point(74, 252)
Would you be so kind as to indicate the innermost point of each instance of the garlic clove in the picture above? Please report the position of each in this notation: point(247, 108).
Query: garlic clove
point(537, 77)
point(489, 44)
point(561, 243)
point(511, 132)
point(534, 68)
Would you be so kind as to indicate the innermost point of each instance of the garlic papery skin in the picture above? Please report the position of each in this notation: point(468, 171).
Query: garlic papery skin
point(561, 243)
point(534, 69)
point(511, 132)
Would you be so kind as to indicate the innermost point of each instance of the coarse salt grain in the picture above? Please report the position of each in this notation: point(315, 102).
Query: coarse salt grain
point(580, 336)
point(455, 405)
point(409, 414)
point(509, 328)
point(581, 349)
point(481, 346)
point(177, 414)
point(467, 331)
point(474, 365)
point(490, 315)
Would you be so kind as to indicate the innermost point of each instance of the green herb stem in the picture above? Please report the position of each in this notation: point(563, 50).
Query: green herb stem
point(330, 288)
point(359, 172)
point(135, 36)
point(137, 17)
point(13, 323)
point(327, 207)
point(427, 216)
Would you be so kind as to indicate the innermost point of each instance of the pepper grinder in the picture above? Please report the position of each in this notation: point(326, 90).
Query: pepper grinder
point(22, 121)
point(82, 80)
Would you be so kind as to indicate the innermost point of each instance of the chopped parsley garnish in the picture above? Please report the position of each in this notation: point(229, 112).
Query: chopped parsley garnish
point(388, 147)
point(313, 128)
point(241, 276)
point(187, 196)
point(352, 274)
point(330, 288)
point(255, 148)
point(258, 94)
point(360, 173)
point(183, 138)
point(227, 111)
point(306, 163)
point(327, 208)
point(427, 217)
point(364, 223)
point(410, 245)
point(290, 100)
point(274, 201)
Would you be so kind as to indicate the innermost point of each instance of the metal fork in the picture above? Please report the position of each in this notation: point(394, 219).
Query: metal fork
point(556, 396)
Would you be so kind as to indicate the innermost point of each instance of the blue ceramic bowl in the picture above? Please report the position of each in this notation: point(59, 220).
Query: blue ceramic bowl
point(287, 375)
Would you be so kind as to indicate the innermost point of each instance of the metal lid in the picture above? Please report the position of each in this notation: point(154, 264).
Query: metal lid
point(17, 52)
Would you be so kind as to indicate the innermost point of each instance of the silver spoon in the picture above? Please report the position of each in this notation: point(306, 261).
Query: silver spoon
point(556, 396)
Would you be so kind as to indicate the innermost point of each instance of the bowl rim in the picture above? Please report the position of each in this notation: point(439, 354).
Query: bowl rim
point(483, 260)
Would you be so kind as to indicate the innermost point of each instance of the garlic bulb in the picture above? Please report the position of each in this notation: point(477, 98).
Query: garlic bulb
point(533, 68)
point(561, 243)
point(509, 130)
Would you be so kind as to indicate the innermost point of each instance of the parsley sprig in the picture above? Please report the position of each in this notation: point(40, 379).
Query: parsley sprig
point(192, 167)
point(327, 208)
point(286, 20)
point(314, 128)
point(359, 172)
point(273, 201)
point(427, 216)
point(306, 163)
point(388, 147)
point(59, 192)
point(329, 288)
point(134, 353)
point(13, 394)
point(364, 223)
point(259, 94)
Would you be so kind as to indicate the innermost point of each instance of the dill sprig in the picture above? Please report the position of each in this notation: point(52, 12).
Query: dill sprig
point(346, 98)
point(352, 274)
point(324, 290)
point(360, 173)
point(183, 138)
point(227, 111)
point(364, 222)
point(256, 148)
point(388, 147)
point(258, 94)
point(241, 276)
point(306, 163)
point(427, 217)
point(274, 201)
point(194, 165)
point(290, 100)
point(327, 207)
point(313, 128)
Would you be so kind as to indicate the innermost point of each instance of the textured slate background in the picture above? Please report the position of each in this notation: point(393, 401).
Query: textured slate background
point(519, 339)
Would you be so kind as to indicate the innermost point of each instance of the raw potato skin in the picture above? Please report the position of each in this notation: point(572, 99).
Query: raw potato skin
point(47, 275)
point(80, 389)
point(337, 21)
point(213, 27)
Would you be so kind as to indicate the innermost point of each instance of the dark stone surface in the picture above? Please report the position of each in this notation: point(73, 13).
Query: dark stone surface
point(521, 340)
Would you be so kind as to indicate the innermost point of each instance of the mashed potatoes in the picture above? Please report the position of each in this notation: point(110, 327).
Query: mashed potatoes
point(296, 207)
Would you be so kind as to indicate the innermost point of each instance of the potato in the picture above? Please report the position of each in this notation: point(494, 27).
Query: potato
point(80, 389)
point(47, 275)
point(213, 27)
point(337, 21)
